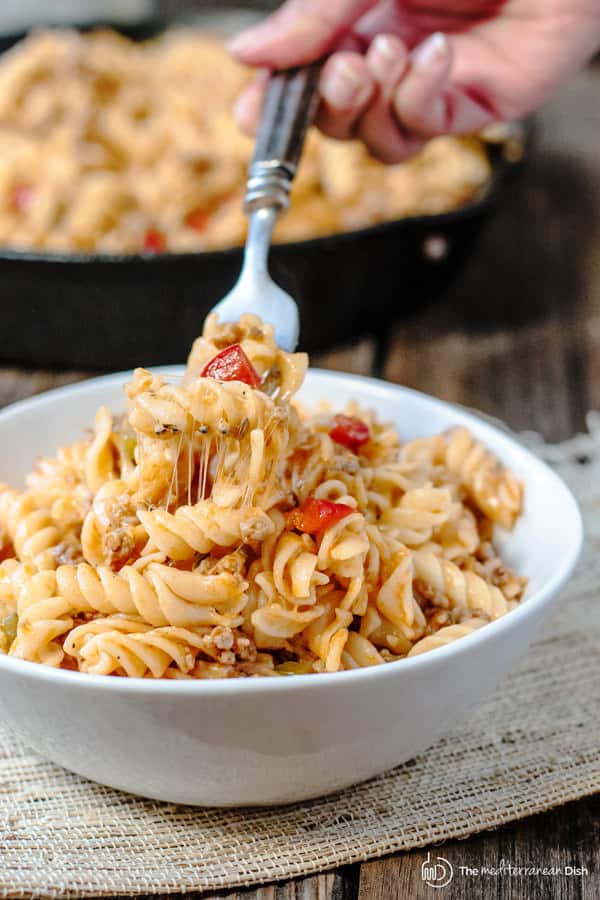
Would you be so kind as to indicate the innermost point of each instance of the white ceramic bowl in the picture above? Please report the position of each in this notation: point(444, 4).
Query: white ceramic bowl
point(266, 741)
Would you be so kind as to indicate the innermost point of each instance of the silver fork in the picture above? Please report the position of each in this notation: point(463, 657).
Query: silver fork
point(288, 108)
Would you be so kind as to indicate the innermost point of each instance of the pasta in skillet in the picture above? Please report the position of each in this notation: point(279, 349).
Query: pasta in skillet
point(112, 146)
point(217, 529)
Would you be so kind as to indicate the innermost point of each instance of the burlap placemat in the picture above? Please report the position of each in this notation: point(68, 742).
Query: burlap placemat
point(534, 745)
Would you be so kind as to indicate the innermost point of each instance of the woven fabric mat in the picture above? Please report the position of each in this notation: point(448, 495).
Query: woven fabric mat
point(532, 746)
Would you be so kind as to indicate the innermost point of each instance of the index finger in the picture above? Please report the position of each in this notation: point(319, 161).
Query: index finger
point(300, 32)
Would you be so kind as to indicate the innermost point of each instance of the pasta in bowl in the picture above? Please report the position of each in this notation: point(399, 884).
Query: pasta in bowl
point(292, 598)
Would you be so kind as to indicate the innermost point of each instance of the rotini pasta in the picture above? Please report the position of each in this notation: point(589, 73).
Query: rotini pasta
point(103, 646)
point(196, 529)
point(111, 531)
point(43, 618)
point(37, 535)
point(497, 493)
point(458, 587)
point(445, 636)
point(161, 595)
point(218, 530)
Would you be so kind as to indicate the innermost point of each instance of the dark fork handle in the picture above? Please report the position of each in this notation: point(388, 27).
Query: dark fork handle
point(289, 106)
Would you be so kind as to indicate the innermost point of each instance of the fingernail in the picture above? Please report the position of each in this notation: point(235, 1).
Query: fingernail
point(432, 51)
point(343, 87)
point(384, 47)
point(387, 59)
point(243, 42)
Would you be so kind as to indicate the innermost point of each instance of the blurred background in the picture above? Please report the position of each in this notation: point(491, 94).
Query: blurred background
point(472, 273)
point(16, 15)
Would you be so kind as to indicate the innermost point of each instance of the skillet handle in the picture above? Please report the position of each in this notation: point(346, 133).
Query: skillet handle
point(288, 109)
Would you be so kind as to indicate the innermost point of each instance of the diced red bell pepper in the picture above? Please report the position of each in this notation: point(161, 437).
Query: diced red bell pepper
point(154, 241)
point(231, 364)
point(350, 431)
point(316, 515)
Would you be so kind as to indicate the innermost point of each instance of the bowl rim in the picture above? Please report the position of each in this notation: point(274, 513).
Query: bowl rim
point(422, 662)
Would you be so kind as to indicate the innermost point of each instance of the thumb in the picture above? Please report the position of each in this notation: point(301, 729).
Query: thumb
point(298, 33)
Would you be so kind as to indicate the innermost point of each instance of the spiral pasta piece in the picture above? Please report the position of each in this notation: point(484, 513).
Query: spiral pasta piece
point(342, 488)
point(198, 528)
point(273, 624)
point(161, 595)
point(288, 565)
point(100, 458)
point(308, 464)
point(217, 408)
point(419, 512)
point(390, 481)
point(10, 570)
point(494, 489)
point(384, 634)
point(138, 652)
point(458, 538)
point(78, 636)
point(425, 452)
point(42, 618)
point(344, 546)
point(395, 599)
point(111, 533)
point(58, 484)
point(462, 588)
point(34, 533)
point(294, 569)
point(359, 652)
point(445, 636)
point(327, 635)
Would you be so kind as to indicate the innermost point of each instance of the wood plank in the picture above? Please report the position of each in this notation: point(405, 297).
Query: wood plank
point(339, 885)
point(17, 384)
point(567, 836)
point(359, 358)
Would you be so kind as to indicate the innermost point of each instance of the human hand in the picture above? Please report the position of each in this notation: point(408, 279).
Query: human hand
point(402, 71)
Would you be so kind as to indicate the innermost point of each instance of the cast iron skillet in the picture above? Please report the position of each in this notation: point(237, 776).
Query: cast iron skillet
point(114, 312)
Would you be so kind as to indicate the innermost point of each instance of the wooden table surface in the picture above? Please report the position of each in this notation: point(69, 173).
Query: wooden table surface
point(518, 336)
